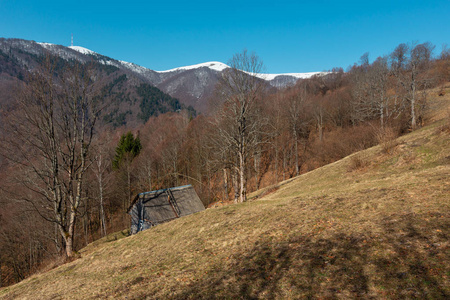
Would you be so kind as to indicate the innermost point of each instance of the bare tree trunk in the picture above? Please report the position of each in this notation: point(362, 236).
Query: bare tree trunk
point(387, 110)
point(276, 163)
point(102, 210)
point(297, 171)
point(225, 184)
point(30, 262)
point(100, 168)
point(320, 125)
point(382, 116)
point(413, 99)
point(209, 182)
point(56, 239)
point(235, 184)
point(242, 177)
point(69, 242)
point(128, 187)
point(257, 162)
point(149, 175)
point(86, 228)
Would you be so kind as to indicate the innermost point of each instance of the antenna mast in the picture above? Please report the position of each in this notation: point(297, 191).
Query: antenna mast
point(71, 41)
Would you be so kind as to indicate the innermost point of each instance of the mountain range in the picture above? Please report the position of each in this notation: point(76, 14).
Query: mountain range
point(184, 87)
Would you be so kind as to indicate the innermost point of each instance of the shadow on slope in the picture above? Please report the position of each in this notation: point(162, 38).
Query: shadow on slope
point(404, 261)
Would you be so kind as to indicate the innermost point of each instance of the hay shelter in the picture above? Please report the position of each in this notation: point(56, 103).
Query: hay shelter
point(152, 208)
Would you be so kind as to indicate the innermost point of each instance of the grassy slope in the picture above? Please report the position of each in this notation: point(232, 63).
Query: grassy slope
point(380, 231)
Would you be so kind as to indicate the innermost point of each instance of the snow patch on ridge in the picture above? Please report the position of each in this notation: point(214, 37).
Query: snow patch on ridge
point(82, 50)
point(270, 77)
point(46, 45)
point(219, 67)
point(133, 67)
point(213, 65)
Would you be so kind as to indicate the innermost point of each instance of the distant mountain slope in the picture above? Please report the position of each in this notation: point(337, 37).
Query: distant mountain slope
point(192, 85)
point(127, 87)
point(377, 230)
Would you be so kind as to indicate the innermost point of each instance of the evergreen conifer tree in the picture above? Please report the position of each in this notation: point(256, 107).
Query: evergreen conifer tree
point(128, 146)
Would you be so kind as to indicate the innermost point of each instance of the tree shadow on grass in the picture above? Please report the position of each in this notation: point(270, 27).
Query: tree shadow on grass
point(397, 264)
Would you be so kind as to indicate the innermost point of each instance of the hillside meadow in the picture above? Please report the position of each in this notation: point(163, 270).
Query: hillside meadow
point(373, 225)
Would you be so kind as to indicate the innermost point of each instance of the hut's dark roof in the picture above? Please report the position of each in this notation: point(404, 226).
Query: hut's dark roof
point(166, 204)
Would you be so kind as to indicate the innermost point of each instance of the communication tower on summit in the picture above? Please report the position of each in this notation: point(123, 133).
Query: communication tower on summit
point(71, 41)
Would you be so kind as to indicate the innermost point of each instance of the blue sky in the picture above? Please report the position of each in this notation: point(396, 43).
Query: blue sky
point(289, 36)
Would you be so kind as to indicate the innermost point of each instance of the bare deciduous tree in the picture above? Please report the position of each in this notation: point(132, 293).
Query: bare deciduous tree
point(50, 140)
point(409, 65)
point(239, 122)
point(379, 78)
point(102, 171)
point(295, 114)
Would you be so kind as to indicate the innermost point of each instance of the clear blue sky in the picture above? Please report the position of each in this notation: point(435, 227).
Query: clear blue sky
point(289, 36)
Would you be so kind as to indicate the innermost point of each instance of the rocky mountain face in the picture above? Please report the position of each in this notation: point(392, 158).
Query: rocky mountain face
point(191, 86)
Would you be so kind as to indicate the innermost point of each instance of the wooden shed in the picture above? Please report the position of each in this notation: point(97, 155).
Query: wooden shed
point(152, 208)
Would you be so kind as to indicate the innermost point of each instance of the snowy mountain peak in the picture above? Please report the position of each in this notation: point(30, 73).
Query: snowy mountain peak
point(82, 50)
point(282, 78)
point(213, 65)
point(270, 77)
point(193, 84)
point(219, 67)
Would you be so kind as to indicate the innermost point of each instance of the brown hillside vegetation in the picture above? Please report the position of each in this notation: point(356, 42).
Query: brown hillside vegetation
point(254, 137)
point(375, 224)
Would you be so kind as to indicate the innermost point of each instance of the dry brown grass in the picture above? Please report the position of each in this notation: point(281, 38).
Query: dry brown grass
point(381, 232)
point(446, 123)
point(358, 161)
point(387, 139)
point(438, 106)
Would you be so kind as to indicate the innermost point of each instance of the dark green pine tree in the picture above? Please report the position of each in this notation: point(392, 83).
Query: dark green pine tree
point(129, 147)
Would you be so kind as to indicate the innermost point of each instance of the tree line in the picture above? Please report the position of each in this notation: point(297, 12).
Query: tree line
point(65, 182)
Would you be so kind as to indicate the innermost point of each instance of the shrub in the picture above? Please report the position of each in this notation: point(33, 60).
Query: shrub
point(387, 139)
point(357, 162)
point(338, 144)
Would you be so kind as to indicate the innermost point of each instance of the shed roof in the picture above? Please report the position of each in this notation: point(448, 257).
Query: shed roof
point(166, 204)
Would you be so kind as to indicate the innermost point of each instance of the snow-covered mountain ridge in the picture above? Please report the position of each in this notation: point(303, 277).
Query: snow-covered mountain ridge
point(192, 85)
point(82, 50)
point(218, 66)
point(213, 65)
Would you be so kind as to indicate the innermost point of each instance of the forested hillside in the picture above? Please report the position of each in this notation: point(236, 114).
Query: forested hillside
point(255, 137)
point(193, 86)
point(128, 103)
point(372, 225)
